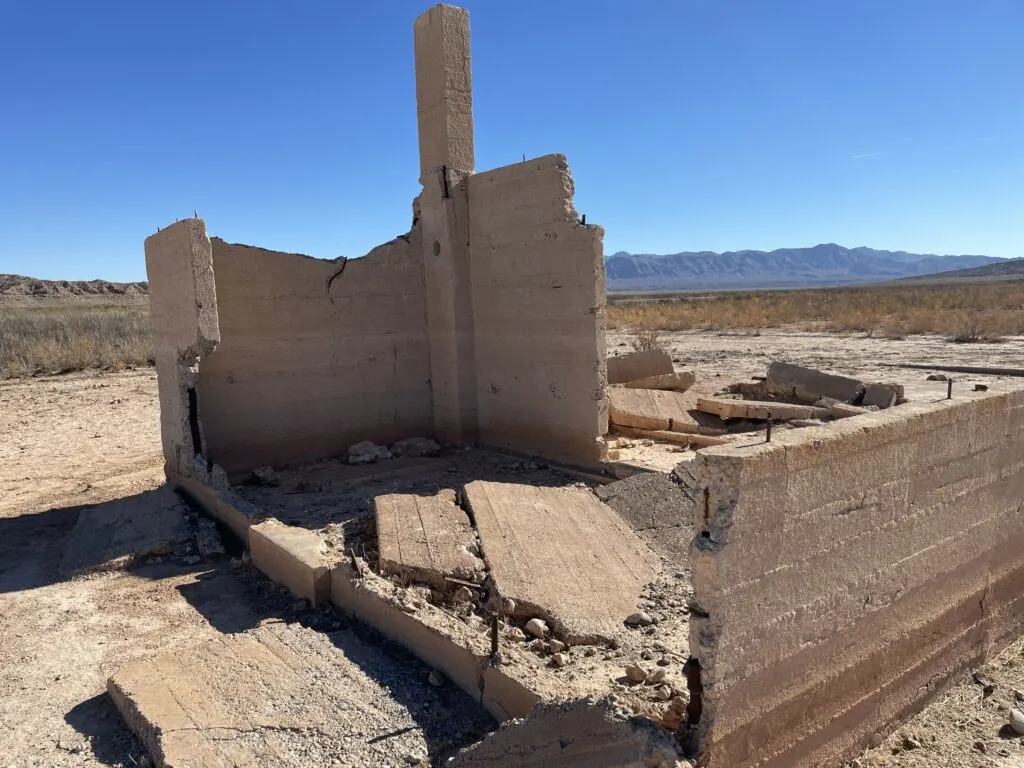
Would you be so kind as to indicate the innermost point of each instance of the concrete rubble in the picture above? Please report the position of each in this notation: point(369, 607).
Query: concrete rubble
point(639, 365)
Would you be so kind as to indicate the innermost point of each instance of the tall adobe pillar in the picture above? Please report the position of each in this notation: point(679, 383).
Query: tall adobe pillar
point(444, 105)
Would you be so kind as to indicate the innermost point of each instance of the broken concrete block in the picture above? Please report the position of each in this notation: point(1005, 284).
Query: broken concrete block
point(426, 538)
point(584, 732)
point(416, 446)
point(882, 395)
point(562, 554)
point(367, 453)
point(840, 410)
point(811, 385)
point(256, 698)
point(638, 365)
point(208, 541)
point(657, 409)
point(760, 410)
point(293, 557)
point(675, 382)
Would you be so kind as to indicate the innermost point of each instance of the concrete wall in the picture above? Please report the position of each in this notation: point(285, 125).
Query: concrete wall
point(183, 313)
point(538, 307)
point(847, 571)
point(309, 365)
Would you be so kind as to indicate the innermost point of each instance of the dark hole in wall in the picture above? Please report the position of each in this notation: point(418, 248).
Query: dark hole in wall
point(193, 421)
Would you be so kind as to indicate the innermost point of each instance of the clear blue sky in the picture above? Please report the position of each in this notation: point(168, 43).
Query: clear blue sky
point(689, 125)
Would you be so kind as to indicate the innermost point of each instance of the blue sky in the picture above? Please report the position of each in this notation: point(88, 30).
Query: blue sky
point(689, 125)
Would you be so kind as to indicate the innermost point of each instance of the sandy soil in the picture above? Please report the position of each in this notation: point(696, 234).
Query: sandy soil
point(88, 438)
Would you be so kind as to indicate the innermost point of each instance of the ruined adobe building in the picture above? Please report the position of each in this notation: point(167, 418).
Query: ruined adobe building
point(840, 575)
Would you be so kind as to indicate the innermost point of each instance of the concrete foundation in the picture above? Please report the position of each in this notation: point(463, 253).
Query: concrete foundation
point(842, 575)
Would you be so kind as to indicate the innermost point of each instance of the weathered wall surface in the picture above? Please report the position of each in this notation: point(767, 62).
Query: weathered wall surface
point(848, 571)
point(183, 312)
point(309, 365)
point(538, 308)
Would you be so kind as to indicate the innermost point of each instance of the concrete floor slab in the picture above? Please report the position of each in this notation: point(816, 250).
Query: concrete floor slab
point(121, 531)
point(562, 554)
point(284, 695)
point(426, 538)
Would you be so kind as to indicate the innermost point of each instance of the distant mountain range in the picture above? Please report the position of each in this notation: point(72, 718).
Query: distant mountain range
point(820, 265)
point(18, 289)
point(1007, 269)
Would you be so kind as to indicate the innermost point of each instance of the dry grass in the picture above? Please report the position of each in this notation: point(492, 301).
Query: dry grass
point(980, 312)
point(35, 340)
point(647, 338)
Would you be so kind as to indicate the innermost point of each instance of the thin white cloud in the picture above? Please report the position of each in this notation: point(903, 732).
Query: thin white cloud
point(866, 154)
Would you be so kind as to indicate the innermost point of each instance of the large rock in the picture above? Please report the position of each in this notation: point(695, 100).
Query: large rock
point(562, 552)
point(638, 365)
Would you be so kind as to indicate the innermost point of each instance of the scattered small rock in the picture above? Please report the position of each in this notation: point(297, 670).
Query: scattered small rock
point(508, 606)
point(265, 476)
point(556, 646)
point(435, 678)
point(909, 742)
point(416, 446)
point(537, 628)
point(980, 746)
point(462, 595)
point(639, 619)
point(191, 560)
point(1017, 721)
point(663, 693)
point(367, 453)
point(516, 634)
point(636, 673)
point(560, 659)
point(656, 676)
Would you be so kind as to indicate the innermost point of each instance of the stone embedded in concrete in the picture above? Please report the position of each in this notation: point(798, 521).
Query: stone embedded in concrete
point(758, 410)
point(676, 382)
point(120, 532)
point(426, 539)
point(595, 733)
point(810, 385)
point(282, 696)
point(561, 554)
point(183, 312)
point(639, 365)
point(293, 557)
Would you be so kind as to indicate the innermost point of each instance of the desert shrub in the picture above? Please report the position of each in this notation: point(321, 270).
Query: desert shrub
point(59, 339)
point(645, 338)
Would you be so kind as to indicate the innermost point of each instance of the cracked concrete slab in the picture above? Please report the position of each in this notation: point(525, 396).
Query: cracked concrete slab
point(561, 554)
point(285, 695)
point(119, 532)
point(426, 538)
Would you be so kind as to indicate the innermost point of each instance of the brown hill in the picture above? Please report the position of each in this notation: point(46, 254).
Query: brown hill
point(18, 289)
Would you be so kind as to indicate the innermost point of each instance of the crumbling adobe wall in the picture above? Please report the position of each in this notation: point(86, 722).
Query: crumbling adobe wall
point(538, 309)
point(315, 355)
point(843, 574)
point(183, 313)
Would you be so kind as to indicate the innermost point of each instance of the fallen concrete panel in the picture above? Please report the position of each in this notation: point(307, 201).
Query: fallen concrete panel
point(293, 557)
point(119, 532)
point(562, 554)
point(658, 409)
point(756, 409)
point(283, 695)
point(426, 538)
point(811, 385)
point(638, 365)
point(675, 382)
point(590, 733)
